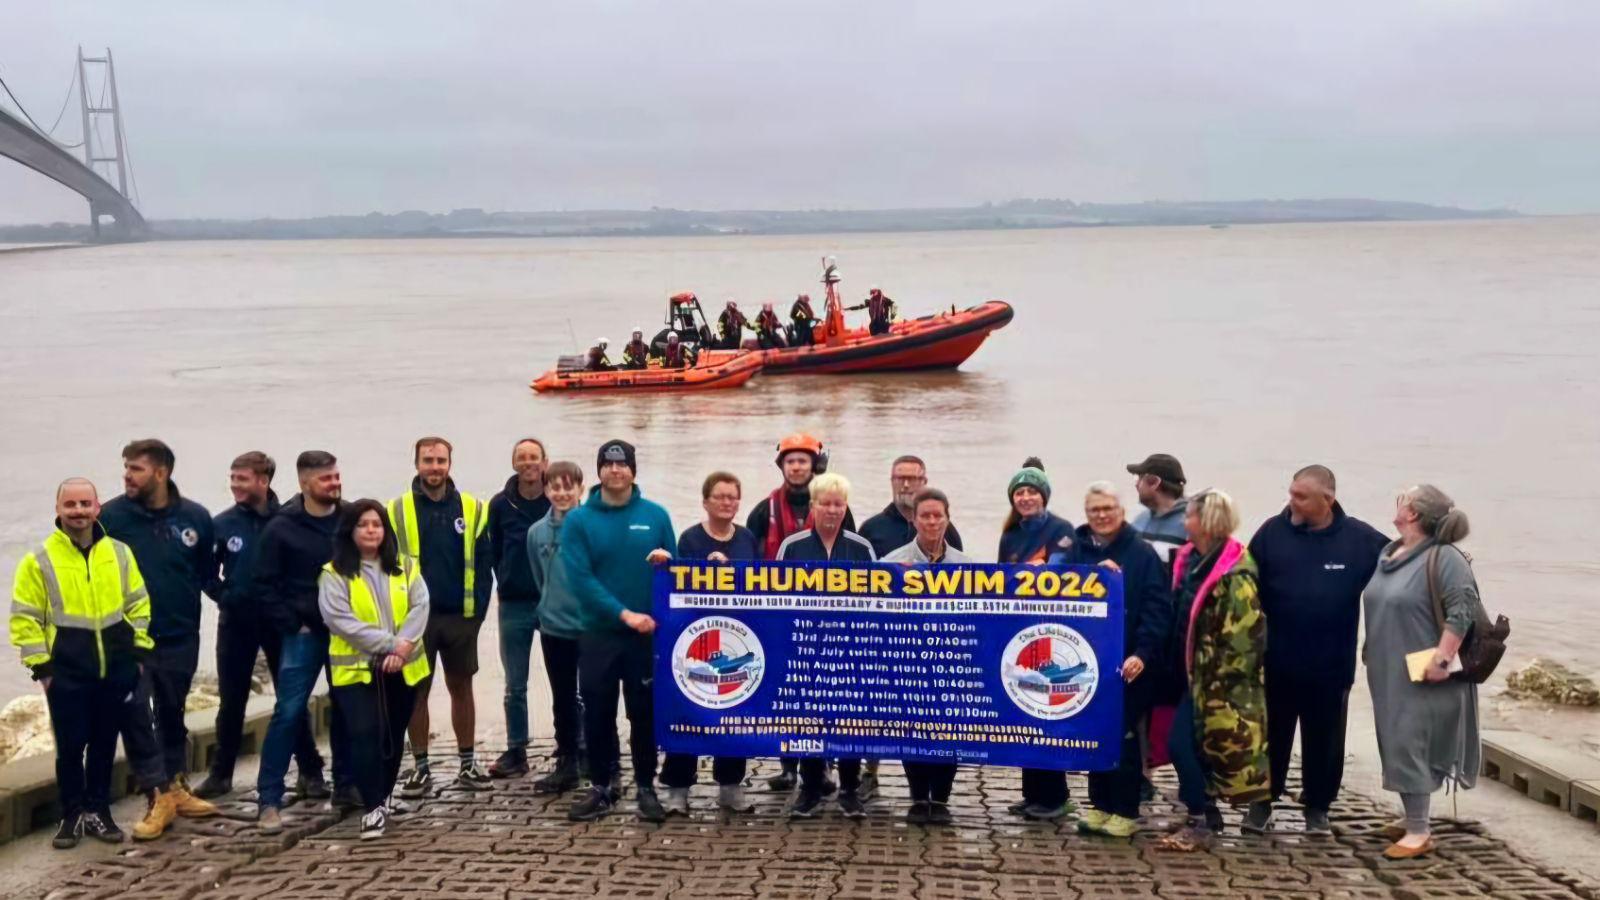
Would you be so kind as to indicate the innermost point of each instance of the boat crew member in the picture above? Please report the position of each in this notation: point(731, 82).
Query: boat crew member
point(446, 533)
point(880, 310)
point(828, 539)
point(731, 325)
point(802, 320)
point(769, 333)
point(676, 356)
point(636, 355)
point(598, 361)
point(79, 615)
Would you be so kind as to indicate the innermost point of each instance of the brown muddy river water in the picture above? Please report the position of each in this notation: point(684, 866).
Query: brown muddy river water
point(1457, 353)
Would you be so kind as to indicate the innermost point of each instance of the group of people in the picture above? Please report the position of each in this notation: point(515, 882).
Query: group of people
point(1231, 647)
point(732, 323)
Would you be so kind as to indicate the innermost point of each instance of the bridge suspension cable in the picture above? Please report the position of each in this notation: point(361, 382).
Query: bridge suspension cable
point(51, 131)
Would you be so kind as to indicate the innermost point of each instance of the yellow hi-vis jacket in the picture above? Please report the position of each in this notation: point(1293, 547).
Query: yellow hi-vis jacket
point(78, 612)
point(474, 522)
point(346, 663)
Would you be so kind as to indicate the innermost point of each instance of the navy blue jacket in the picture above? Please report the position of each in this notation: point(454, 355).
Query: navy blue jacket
point(443, 557)
point(889, 531)
point(1027, 541)
point(1146, 596)
point(805, 546)
point(293, 548)
point(174, 548)
point(1311, 583)
point(510, 517)
point(697, 543)
point(237, 531)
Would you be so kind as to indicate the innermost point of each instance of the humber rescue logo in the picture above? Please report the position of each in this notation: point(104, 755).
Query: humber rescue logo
point(718, 662)
point(235, 544)
point(1050, 671)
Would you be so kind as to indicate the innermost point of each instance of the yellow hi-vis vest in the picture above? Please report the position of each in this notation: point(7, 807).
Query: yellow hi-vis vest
point(349, 665)
point(57, 587)
point(473, 523)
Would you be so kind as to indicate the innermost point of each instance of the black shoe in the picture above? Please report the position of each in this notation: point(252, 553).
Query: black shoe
point(1213, 820)
point(596, 804)
point(1317, 824)
point(474, 778)
point(782, 783)
point(939, 814)
point(100, 827)
point(1258, 818)
point(563, 778)
point(314, 787)
point(68, 835)
point(1147, 790)
point(805, 806)
point(1042, 813)
point(213, 787)
point(850, 804)
point(1019, 809)
point(512, 764)
point(346, 798)
point(828, 786)
point(918, 813)
point(650, 808)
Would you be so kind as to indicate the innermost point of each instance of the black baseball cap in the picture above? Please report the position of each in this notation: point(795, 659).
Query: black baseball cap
point(1164, 466)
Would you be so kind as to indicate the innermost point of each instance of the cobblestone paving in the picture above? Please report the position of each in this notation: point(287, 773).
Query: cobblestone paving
point(511, 844)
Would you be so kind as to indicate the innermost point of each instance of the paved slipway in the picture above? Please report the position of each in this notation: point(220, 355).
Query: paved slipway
point(512, 844)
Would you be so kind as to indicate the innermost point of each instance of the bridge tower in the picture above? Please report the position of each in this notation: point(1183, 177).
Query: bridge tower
point(100, 159)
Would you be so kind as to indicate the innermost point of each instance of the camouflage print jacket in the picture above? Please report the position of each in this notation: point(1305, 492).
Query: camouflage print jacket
point(1225, 650)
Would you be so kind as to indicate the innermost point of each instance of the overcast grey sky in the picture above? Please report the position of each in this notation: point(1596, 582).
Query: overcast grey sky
point(300, 109)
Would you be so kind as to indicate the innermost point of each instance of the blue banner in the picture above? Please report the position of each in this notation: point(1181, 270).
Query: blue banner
point(991, 664)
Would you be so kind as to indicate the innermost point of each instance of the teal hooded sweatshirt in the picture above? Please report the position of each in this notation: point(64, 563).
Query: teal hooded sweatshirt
point(603, 550)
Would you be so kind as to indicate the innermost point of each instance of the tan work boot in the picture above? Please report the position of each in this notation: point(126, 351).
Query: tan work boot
point(163, 809)
point(189, 806)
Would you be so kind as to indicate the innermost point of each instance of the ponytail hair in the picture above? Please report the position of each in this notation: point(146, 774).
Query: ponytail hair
point(1437, 514)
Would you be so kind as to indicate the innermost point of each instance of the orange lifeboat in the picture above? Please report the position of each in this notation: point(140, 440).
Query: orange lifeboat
point(713, 370)
point(940, 341)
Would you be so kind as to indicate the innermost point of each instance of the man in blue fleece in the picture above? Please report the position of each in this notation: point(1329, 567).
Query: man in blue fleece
point(609, 546)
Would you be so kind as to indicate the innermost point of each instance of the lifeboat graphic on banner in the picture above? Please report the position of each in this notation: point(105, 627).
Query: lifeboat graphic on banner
point(1050, 671)
point(718, 662)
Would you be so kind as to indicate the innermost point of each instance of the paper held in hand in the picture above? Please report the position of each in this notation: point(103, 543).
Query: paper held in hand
point(1417, 663)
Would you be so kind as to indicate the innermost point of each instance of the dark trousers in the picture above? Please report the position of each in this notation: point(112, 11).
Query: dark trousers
point(679, 770)
point(608, 663)
point(1319, 711)
point(1183, 745)
point(1046, 787)
point(1117, 791)
point(168, 673)
point(878, 326)
point(813, 769)
point(84, 716)
point(930, 781)
point(241, 634)
point(375, 718)
point(139, 739)
point(566, 706)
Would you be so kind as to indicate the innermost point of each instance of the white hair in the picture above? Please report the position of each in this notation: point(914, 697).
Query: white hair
point(828, 483)
point(1103, 489)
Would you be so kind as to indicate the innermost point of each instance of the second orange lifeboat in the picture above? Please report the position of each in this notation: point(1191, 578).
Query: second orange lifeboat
point(713, 370)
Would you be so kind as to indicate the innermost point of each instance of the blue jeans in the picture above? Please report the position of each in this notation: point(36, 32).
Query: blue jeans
point(1184, 748)
point(304, 657)
point(518, 622)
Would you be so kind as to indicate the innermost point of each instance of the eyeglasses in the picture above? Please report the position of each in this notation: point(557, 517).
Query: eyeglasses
point(909, 479)
point(724, 498)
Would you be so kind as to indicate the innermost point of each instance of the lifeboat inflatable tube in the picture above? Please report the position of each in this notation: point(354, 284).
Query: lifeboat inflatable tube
point(713, 370)
point(941, 341)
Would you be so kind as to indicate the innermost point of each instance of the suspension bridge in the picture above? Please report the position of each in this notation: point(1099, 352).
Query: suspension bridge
point(102, 176)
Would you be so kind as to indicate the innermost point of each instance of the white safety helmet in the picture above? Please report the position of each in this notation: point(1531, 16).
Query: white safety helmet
point(672, 337)
point(874, 289)
point(638, 332)
point(601, 342)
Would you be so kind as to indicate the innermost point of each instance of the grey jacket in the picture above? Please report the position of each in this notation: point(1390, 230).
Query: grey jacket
point(912, 553)
point(1427, 733)
point(560, 610)
point(333, 598)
